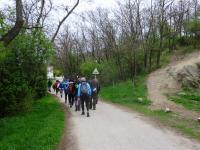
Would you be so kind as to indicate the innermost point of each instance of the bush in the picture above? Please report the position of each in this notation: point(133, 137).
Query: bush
point(14, 89)
point(183, 41)
point(109, 73)
point(23, 72)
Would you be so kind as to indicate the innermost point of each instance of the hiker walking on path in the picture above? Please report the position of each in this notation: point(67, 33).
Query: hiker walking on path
point(84, 94)
point(56, 86)
point(95, 91)
point(49, 85)
point(61, 88)
point(71, 92)
point(76, 100)
point(66, 85)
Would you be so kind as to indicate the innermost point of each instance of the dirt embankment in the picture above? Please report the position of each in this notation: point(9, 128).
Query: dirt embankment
point(163, 81)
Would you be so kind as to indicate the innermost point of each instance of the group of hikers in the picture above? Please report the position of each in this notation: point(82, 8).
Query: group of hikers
point(78, 92)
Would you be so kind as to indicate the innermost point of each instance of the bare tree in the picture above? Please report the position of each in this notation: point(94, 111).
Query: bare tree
point(63, 20)
point(14, 31)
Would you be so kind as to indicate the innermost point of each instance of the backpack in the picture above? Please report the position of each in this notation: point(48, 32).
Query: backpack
point(84, 88)
point(70, 88)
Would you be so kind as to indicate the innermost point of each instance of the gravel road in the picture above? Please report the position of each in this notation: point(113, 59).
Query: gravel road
point(114, 128)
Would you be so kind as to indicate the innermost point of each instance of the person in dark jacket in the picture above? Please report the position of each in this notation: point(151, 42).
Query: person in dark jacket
point(71, 92)
point(57, 85)
point(76, 100)
point(66, 84)
point(49, 85)
point(95, 92)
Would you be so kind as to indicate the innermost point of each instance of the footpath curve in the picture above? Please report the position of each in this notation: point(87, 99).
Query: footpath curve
point(114, 128)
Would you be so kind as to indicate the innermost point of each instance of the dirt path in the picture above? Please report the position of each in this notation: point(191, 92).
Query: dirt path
point(114, 128)
point(160, 83)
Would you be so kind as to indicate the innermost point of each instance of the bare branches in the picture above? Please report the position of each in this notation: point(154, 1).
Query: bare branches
point(13, 32)
point(41, 12)
point(63, 20)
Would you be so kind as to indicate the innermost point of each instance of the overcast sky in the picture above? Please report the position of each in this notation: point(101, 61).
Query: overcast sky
point(83, 6)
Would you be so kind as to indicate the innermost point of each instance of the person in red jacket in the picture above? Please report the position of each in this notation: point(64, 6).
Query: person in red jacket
point(71, 92)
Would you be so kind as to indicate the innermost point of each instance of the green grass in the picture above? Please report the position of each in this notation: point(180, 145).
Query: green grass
point(190, 99)
point(127, 95)
point(165, 57)
point(187, 49)
point(39, 129)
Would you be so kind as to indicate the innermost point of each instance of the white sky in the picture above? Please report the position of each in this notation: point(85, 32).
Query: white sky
point(83, 6)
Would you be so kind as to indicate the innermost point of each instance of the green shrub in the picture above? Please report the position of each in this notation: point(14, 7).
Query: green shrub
point(15, 92)
point(109, 73)
point(183, 41)
point(23, 72)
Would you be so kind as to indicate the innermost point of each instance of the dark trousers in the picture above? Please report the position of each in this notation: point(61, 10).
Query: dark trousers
point(94, 100)
point(77, 102)
point(85, 100)
point(71, 99)
point(61, 93)
point(49, 88)
point(66, 97)
point(57, 90)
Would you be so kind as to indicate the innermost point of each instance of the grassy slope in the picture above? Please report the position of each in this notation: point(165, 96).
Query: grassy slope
point(190, 99)
point(127, 95)
point(40, 128)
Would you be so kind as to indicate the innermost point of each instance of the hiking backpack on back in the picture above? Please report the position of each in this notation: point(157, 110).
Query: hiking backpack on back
point(71, 88)
point(84, 89)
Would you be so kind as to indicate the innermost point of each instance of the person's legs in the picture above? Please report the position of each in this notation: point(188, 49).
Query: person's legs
point(57, 91)
point(65, 97)
point(61, 93)
point(90, 102)
point(87, 99)
point(97, 98)
point(75, 103)
point(94, 102)
point(70, 100)
point(78, 104)
point(49, 89)
point(82, 105)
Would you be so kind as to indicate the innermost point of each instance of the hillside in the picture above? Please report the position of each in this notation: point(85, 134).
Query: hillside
point(166, 81)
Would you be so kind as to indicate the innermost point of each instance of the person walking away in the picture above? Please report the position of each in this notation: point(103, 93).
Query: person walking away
point(71, 92)
point(54, 87)
point(66, 84)
point(57, 86)
point(90, 100)
point(61, 88)
point(84, 93)
point(95, 92)
point(49, 85)
point(76, 100)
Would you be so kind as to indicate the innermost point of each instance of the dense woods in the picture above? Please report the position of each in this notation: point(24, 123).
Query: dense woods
point(133, 38)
